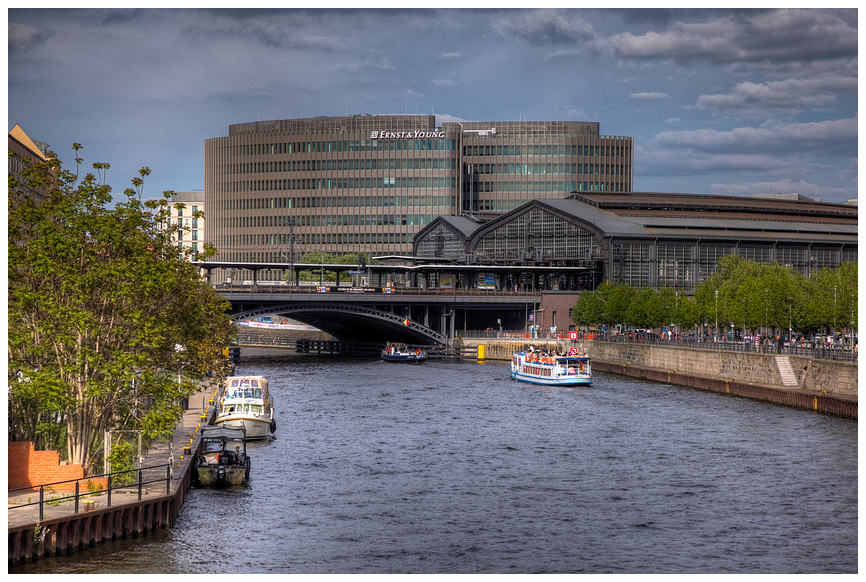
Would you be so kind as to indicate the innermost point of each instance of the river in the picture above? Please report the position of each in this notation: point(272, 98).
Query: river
point(452, 467)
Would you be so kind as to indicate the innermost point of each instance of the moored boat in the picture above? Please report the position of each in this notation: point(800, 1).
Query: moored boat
point(551, 370)
point(399, 352)
point(246, 403)
point(222, 460)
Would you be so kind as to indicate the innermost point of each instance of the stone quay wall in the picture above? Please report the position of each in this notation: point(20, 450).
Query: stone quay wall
point(823, 385)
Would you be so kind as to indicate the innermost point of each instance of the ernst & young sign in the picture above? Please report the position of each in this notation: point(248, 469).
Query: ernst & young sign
point(407, 135)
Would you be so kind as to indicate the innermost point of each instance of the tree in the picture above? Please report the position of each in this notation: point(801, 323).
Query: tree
point(104, 313)
point(589, 309)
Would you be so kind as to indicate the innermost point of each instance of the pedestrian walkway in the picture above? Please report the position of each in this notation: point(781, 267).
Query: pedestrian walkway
point(23, 506)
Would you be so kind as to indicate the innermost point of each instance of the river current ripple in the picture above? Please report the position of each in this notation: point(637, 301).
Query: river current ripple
point(452, 467)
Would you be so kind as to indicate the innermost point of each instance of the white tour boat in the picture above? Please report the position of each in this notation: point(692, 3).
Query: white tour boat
point(551, 370)
point(247, 403)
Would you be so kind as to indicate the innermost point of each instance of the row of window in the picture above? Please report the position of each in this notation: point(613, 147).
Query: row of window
point(315, 147)
point(304, 220)
point(320, 238)
point(432, 182)
point(541, 169)
point(340, 164)
point(614, 151)
point(416, 145)
point(335, 202)
point(540, 187)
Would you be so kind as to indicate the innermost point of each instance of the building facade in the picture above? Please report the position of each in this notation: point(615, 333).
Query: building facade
point(642, 239)
point(275, 190)
point(184, 207)
point(26, 152)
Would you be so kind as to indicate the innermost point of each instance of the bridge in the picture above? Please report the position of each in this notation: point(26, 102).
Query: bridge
point(394, 301)
point(378, 315)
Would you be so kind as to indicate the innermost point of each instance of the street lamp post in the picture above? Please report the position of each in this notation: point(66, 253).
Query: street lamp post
point(716, 331)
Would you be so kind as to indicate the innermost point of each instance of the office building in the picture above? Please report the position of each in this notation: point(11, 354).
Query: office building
point(275, 190)
point(184, 207)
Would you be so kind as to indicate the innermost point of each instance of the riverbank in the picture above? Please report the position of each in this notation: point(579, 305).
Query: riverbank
point(64, 528)
point(822, 385)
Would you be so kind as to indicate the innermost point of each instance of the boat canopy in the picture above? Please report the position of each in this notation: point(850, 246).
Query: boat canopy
point(216, 433)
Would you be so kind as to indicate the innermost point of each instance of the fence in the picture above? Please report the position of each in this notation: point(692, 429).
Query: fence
point(132, 480)
point(815, 351)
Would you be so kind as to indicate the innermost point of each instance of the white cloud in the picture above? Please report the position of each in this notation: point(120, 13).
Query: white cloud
point(790, 95)
point(823, 138)
point(777, 35)
point(543, 27)
point(649, 95)
point(444, 82)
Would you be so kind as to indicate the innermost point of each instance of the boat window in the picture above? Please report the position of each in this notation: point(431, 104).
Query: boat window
point(234, 383)
point(255, 408)
point(255, 383)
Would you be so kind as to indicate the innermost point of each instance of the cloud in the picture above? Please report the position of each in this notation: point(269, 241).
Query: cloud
point(444, 82)
point(23, 37)
point(649, 95)
point(777, 35)
point(820, 139)
point(451, 55)
point(785, 186)
point(269, 32)
point(789, 96)
point(544, 27)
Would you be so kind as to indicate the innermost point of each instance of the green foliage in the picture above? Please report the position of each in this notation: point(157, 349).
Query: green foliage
point(360, 259)
point(122, 458)
point(103, 311)
point(749, 294)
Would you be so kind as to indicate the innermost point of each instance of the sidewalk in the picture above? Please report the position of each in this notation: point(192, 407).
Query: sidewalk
point(162, 454)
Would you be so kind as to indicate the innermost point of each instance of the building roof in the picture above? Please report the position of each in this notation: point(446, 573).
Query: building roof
point(18, 135)
point(684, 216)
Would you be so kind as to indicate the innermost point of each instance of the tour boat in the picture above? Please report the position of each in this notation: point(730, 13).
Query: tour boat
point(247, 403)
point(397, 352)
point(550, 370)
point(222, 461)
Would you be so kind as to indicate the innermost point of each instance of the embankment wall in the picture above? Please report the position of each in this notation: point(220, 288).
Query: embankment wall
point(823, 385)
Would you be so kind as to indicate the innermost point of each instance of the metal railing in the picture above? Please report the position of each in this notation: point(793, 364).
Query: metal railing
point(132, 479)
point(818, 351)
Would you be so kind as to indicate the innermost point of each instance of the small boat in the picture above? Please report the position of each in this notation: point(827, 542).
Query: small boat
point(551, 370)
point(222, 460)
point(246, 403)
point(398, 352)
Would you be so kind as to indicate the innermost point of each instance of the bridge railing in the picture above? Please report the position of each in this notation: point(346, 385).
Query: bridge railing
point(277, 289)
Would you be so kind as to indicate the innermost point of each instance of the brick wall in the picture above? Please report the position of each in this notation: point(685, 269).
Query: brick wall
point(31, 468)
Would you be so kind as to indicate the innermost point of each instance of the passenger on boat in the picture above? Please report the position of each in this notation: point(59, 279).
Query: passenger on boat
point(239, 456)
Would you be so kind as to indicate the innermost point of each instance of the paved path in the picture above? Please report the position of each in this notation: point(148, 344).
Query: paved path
point(23, 507)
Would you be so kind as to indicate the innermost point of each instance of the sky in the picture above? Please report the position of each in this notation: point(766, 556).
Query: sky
point(720, 101)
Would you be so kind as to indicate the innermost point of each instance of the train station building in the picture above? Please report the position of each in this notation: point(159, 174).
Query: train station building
point(641, 239)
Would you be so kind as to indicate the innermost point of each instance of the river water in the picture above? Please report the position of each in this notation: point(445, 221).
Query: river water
point(452, 467)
